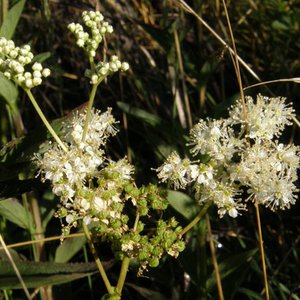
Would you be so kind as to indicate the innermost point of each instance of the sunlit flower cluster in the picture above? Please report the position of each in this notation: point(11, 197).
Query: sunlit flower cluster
point(98, 28)
point(266, 117)
point(14, 61)
point(73, 172)
point(238, 157)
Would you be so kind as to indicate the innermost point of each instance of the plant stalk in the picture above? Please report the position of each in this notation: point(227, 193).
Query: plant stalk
point(262, 252)
point(196, 219)
point(102, 272)
point(214, 259)
point(236, 63)
point(89, 109)
point(45, 121)
point(125, 263)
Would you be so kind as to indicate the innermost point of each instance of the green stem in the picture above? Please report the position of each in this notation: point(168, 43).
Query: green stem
point(125, 263)
point(97, 260)
point(88, 113)
point(92, 64)
point(45, 121)
point(123, 274)
point(196, 219)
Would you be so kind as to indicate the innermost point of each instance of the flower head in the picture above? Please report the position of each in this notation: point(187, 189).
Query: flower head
point(266, 118)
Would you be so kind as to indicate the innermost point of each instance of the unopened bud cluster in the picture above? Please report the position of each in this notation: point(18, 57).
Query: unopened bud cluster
point(145, 244)
point(237, 155)
point(13, 61)
point(94, 21)
point(98, 28)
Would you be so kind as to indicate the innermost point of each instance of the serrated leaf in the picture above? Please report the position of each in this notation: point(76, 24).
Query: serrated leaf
point(10, 23)
point(182, 203)
point(8, 91)
point(68, 249)
point(37, 274)
point(13, 211)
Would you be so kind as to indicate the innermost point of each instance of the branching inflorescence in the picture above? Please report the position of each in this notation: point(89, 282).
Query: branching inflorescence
point(238, 158)
point(95, 190)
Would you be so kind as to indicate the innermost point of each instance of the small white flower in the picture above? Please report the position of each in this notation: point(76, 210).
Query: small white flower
point(233, 213)
point(99, 204)
point(69, 219)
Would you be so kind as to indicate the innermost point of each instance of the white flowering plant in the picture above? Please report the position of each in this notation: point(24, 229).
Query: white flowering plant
point(231, 162)
point(238, 160)
point(96, 192)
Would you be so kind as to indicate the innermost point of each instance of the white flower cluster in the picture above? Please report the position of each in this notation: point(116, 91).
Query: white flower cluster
point(235, 159)
point(83, 177)
point(90, 43)
point(13, 63)
point(266, 118)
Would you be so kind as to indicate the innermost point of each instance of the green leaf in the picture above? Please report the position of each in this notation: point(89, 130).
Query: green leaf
point(37, 274)
point(251, 294)
point(10, 23)
point(229, 265)
point(41, 57)
point(13, 211)
point(141, 114)
point(8, 91)
point(147, 293)
point(280, 25)
point(183, 204)
point(68, 249)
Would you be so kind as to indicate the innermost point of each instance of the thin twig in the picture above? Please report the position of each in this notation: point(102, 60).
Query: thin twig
point(262, 252)
point(214, 259)
point(213, 32)
point(181, 74)
point(236, 60)
point(98, 262)
point(295, 79)
point(48, 239)
point(15, 268)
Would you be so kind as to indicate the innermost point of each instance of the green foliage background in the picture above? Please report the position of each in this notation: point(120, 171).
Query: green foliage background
point(144, 101)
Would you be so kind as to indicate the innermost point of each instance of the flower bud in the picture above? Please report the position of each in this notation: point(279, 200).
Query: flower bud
point(46, 72)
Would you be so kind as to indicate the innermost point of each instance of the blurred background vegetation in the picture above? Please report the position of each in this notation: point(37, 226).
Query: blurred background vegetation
point(179, 73)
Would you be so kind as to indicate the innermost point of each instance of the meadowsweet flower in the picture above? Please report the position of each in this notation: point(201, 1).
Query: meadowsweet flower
point(175, 170)
point(100, 128)
point(269, 171)
point(234, 161)
point(266, 118)
point(215, 138)
point(71, 172)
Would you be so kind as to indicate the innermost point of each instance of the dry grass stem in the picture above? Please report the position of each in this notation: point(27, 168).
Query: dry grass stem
point(15, 268)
